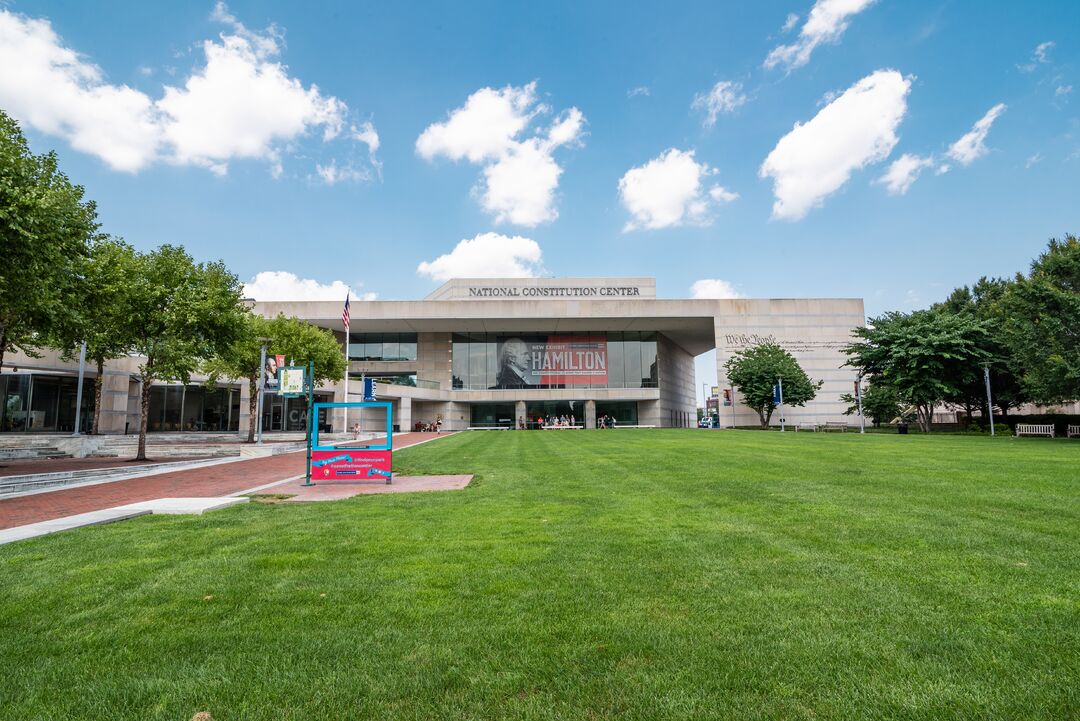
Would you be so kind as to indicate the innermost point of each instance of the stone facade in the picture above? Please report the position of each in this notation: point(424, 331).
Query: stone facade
point(814, 330)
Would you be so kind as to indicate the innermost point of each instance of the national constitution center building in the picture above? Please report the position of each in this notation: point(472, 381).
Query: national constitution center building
point(495, 352)
point(483, 354)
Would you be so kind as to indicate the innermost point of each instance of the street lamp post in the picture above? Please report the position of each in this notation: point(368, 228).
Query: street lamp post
point(780, 382)
point(858, 397)
point(989, 400)
point(262, 385)
point(78, 391)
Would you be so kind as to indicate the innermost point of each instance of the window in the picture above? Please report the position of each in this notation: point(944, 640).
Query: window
point(382, 346)
point(460, 361)
point(481, 361)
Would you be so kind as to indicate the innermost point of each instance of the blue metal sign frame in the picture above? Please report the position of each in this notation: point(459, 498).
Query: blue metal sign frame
point(388, 446)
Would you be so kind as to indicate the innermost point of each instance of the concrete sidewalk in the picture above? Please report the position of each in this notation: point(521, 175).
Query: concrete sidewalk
point(222, 480)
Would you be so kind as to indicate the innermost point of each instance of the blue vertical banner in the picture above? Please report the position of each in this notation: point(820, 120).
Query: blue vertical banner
point(371, 390)
point(776, 394)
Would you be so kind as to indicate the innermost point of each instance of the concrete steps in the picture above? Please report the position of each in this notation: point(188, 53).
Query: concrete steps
point(19, 454)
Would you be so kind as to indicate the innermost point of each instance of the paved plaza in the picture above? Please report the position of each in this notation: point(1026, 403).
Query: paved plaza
point(219, 480)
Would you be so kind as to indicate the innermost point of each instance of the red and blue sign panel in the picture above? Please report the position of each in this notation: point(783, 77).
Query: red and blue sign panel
point(351, 464)
point(363, 464)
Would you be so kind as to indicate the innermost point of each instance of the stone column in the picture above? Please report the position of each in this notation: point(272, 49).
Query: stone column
point(519, 413)
point(403, 420)
point(590, 414)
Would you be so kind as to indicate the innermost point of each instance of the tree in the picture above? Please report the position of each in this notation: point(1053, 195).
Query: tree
point(880, 402)
point(1041, 322)
point(101, 312)
point(983, 301)
point(180, 314)
point(755, 370)
point(45, 230)
point(291, 337)
point(927, 356)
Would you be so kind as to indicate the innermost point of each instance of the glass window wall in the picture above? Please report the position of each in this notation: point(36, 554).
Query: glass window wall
point(382, 346)
point(193, 408)
point(482, 361)
point(44, 403)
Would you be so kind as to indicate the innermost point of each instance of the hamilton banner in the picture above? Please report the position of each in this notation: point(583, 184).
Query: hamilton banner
point(559, 360)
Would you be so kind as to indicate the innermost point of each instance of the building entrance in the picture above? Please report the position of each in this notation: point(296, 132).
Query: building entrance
point(573, 411)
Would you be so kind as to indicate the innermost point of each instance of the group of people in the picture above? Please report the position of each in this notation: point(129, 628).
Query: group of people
point(557, 421)
point(605, 421)
point(434, 427)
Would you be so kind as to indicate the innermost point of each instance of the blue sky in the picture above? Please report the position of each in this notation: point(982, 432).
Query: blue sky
point(564, 138)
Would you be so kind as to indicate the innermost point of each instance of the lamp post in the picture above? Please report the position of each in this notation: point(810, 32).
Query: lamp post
point(705, 401)
point(262, 386)
point(780, 383)
point(78, 391)
point(858, 397)
point(989, 400)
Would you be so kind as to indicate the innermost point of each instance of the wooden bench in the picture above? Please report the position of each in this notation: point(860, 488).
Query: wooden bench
point(807, 427)
point(835, 426)
point(1035, 429)
point(1073, 432)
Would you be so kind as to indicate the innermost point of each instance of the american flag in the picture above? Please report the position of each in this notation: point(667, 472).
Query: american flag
point(345, 313)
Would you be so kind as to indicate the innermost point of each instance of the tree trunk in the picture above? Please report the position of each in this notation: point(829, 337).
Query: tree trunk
point(925, 416)
point(253, 410)
point(98, 383)
point(144, 415)
point(3, 346)
point(762, 418)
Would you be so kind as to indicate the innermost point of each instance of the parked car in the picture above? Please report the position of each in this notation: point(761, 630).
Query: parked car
point(708, 422)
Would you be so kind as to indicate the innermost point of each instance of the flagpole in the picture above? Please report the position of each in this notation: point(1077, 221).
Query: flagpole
point(345, 395)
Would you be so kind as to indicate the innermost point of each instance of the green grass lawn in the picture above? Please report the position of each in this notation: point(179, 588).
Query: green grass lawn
point(667, 574)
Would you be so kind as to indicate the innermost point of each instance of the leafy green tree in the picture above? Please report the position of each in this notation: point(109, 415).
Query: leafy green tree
point(880, 402)
point(101, 313)
point(983, 301)
point(1041, 322)
point(927, 356)
point(180, 313)
point(755, 370)
point(299, 341)
point(45, 230)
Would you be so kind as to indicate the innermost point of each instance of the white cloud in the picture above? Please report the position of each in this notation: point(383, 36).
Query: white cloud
point(972, 145)
point(1061, 90)
point(241, 104)
point(488, 255)
point(332, 174)
point(1042, 51)
point(520, 177)
point(714, 288)
point(856, 129)
point(1039, 56)
point(272, 285)
point(1033, 160)
point(826, 23)
point(639, 90)
point(904, 171)
point(55, 90)
point(724, 97)
point(790, 22)
point(669, 191)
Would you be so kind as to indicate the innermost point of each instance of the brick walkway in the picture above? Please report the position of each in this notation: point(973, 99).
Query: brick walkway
point(54, 465)
point(220, 480)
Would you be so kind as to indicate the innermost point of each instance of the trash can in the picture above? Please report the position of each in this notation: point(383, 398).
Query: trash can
point(901, 428)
